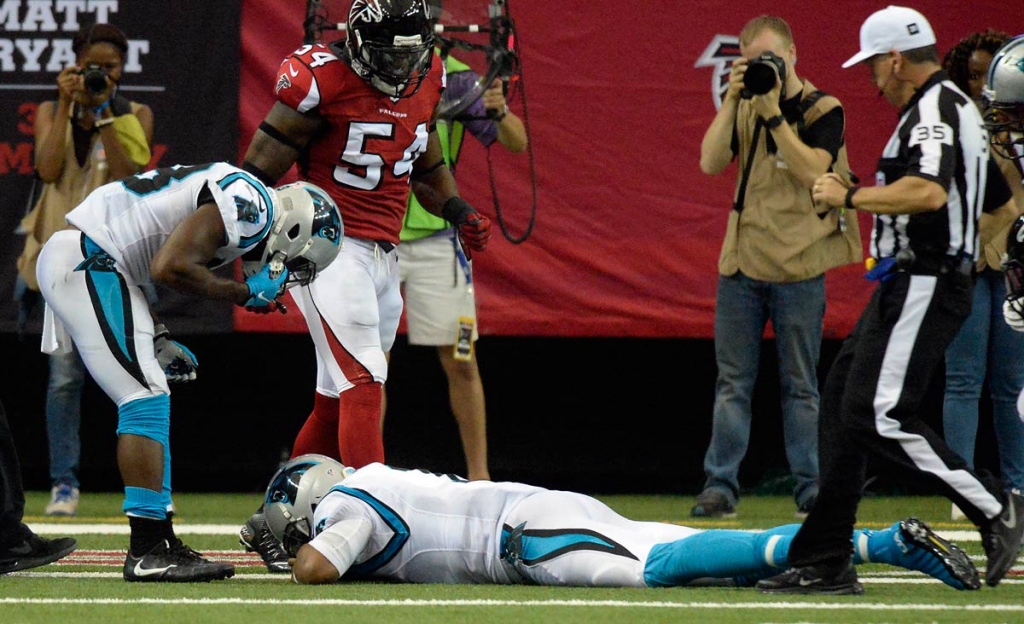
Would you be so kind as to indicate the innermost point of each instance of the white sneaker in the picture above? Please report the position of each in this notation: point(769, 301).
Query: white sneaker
point(63, 501)
point(956, 514)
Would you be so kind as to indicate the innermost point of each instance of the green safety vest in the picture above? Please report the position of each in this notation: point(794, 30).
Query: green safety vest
point(418, 222)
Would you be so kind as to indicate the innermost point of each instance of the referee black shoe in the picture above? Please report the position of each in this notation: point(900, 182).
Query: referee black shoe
point(814, 579)
point(34, 551)
point(171, 561)
point(1002, 539)
point(255, 535)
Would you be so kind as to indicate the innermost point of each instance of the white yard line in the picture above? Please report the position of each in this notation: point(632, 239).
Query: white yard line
point(829, 606)
point(70, 528)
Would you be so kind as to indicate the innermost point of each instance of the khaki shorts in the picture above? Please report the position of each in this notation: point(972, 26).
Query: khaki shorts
point(435, 291)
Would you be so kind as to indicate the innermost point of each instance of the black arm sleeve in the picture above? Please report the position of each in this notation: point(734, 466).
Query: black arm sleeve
point(826, 132)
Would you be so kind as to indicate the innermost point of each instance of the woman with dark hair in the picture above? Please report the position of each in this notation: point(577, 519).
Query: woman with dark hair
point(985, 346)
point(89, 136)
point(967, 61)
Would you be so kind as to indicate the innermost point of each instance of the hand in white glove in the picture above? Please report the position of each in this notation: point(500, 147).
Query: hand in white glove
point(1012, 312)
point(178, 362)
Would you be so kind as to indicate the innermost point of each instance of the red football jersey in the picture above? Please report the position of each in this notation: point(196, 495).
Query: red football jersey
point(364, 156)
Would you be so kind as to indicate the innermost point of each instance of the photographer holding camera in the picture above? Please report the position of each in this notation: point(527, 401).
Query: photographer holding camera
point(783, 133)
point(86, 138)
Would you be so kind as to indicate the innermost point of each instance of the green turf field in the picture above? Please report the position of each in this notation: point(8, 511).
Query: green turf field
point(87, 586)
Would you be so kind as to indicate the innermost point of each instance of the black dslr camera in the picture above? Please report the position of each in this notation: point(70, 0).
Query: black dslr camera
point(95, 78)
point(761, 72)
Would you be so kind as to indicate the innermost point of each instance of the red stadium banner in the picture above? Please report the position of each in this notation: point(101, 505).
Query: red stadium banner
point(628, 230)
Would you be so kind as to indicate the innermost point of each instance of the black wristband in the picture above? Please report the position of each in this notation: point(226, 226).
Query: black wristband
point(848, 202)
point(419, 173)
point(279, 136)
point(260, 174)
point(774, 122)
point(455, 210)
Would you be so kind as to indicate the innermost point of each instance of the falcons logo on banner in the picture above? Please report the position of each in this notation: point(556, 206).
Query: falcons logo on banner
point(720, 54)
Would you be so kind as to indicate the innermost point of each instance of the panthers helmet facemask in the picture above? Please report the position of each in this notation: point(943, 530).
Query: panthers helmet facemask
point(293, 494)
point(1004, 98)
point(1013, 262)
point(391, 43)
point(305, 237)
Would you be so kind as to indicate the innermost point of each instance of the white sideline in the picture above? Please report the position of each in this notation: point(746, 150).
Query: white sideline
point(60, 528)
point(627, 604)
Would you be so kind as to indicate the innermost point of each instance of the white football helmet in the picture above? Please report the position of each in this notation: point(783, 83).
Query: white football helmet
point(293, 494)
point(305, 236)
point(1004, 97)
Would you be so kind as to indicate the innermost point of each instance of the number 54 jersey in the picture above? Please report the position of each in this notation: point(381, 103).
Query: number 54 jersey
point(363, 156)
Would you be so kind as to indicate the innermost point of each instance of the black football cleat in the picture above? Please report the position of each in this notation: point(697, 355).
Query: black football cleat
point(255, 535)
point(174, 562)
point(925, 551)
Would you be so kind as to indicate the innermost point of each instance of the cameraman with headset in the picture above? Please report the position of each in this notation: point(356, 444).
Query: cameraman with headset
point(783, 133)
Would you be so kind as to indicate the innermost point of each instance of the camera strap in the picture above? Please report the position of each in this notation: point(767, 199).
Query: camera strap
point(741, 193)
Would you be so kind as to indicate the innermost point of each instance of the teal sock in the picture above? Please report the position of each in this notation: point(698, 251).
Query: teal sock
point(143, 503)
point(883, 546)
point(165, 492)
point(719, 554)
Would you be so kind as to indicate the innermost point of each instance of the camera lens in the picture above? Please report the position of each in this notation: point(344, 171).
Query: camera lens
point(759, 78)
point(95, 80)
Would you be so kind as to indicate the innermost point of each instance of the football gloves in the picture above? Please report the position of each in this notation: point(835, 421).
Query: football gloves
point(178, 363)
point(265, 289)
point(474, 228)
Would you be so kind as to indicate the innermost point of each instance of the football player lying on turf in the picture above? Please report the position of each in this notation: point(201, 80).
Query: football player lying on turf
point(379, 522)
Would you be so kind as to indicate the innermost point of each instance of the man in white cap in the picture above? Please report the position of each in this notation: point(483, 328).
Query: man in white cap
point(935, 179)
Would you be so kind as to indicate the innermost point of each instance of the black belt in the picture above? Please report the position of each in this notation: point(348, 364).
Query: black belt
point(920, 264)
point(385, 245)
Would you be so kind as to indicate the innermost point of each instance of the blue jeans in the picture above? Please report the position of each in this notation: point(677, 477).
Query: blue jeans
point(984, 346)
point(743, 308)
point(64, 416)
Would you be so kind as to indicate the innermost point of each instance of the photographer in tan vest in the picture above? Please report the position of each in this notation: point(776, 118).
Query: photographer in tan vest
point(782, 133)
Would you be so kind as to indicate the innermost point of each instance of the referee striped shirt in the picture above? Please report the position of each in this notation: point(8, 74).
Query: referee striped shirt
point(940, 137)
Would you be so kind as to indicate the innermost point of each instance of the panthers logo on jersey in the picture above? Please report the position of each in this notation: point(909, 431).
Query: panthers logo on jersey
point(248, 210)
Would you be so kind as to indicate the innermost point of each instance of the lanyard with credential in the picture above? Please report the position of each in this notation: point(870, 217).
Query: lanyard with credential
point(467, 269)
point(464, 332)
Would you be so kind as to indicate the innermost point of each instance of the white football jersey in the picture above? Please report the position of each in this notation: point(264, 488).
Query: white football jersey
point(132, 218)
point(426, 528)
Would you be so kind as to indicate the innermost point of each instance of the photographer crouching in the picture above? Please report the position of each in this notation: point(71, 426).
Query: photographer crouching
point(86, 138)
point(783, 133)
